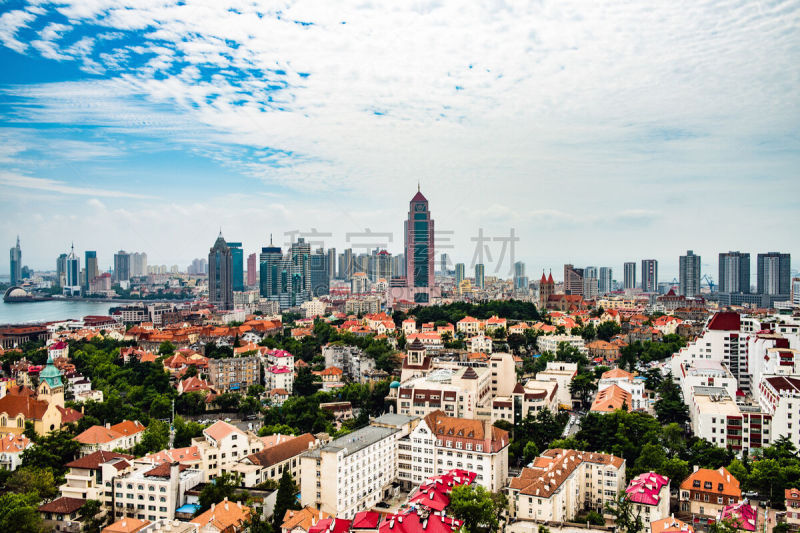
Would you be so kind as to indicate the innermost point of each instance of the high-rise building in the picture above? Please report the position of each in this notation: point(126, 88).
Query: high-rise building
point(443, 263)
point(16, 264)
point(61, 270)
point(220, 275)
point(419, 248)
point(399, 266)
point(520, 279)
point(573, 280)
point(629, 273)
point(198, 267)
point(649, 275)
point(774, 273)
point(138, 264)
point(320, 273)
point(331, 263)
point(480, 280)
point(237, 260)
point(734, 272)
point(300, 254)
point(90, 262)
point(252, 270)
point(122, 266)
point(689, 274)
point(591, 285)
point(795, 295)
point(380, 266)
point(459, 274)
point(606, 279)
point(72, 278)
point(346, 266)
point(274, 270)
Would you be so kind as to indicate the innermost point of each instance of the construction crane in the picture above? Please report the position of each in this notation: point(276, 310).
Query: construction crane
point(708, 281)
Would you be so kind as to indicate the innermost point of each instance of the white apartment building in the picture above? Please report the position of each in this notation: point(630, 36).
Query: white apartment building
point(504, 373)
point(90, 477)
point(351, 359)
point(549, 343)
point(627, 382)
point(440, 443)
point(562, 373)
point(779, 396)
point(465, 392)
point(153, 492)
point(352, 473)
point(771, 353)
point(222, 445)
point(716, 417)
point(271, 462)
point(559, 484)
point(279, 377)
point(534, 396)
point(705, 373)
point(480, 343)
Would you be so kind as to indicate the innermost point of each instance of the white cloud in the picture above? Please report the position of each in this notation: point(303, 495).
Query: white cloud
point(10, 23)
point(10, 179)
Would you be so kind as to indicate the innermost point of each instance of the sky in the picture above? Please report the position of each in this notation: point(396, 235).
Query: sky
point(598, 132)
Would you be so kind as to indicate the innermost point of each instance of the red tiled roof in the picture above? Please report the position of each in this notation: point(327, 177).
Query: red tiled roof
point(94, 460)
point(63, 505)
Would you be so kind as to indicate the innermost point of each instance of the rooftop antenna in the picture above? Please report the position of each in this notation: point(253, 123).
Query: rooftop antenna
point(418, 186)
point(270, 239)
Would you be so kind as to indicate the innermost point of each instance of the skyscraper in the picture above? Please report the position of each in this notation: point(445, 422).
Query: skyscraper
point(300, 254)
point(274, 278)
point(419, 248)
point(629, 273)
point(734, 272)
point(459, 274)
point(443, 263)
point(72, 277)
point(520, 279)
point(649, 275)
point(689, 274)
point(606, 279)
point(480, 281)
point(591, 285)
point(61, 269)
point(774, 272)
point(381, 266)
point(237, 260)
point(138, 264)
point(399, 266)
point(346, 264)
point(220, 278)
point(252, 270)
point(16, 264)
point(320, 275)
point(90, 262)
point(573, 280)
point(122, 266)
point(331, 263)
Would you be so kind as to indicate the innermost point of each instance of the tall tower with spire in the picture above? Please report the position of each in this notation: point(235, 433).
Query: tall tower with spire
point(220, 274)
point(72, 284)
point(547, 288)
point(16, 264)
point(419, 248)
point(51, 387)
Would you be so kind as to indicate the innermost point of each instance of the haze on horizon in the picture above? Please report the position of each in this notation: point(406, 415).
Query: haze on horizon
point(601, 132)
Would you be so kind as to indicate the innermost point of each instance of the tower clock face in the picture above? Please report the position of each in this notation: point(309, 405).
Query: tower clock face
point(419, 207)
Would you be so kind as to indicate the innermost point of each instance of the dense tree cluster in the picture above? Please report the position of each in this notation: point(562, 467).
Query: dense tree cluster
point(452, 313)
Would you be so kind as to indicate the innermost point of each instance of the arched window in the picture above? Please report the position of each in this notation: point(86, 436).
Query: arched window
point(3, 421)
point(20, 422)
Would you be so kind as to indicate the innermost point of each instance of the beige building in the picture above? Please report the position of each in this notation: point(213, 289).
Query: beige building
point(153, 492)
point(440, 443)
point(464, 392)
point(559, 484)
point(234, 374)
point(271, 462)
point(90, 477)
point(562, 373)
point(355, 472)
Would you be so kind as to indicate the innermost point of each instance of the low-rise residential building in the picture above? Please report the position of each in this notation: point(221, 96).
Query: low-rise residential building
point(122, 436)
point(705, 493)
point(559, 484)
point(649, 496)
point(279, 377)
point(550, 343)
point(670, 525)
point(271, 462)
point(11, 448)
point(351, 473)
point(300, 521)
point(62, 514)
point(562, 373)
point(223, 517)
point(627, 382)
point(440, 443)
point(610, 399)
point(534, 396)
point(90, 477)
point(468, 325)
point(154, 492)
point(464, 392)
point(742, 516)
point(234, 374)
point(222, 445)
point(480, 343)
point(792, 501)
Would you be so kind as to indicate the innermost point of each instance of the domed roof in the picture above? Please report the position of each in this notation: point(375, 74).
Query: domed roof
point(395, 385)
point(17, 292)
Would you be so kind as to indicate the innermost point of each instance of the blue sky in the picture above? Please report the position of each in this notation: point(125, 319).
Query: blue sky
point(600, 131)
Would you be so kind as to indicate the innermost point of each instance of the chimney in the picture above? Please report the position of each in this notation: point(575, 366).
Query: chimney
point(108, 425)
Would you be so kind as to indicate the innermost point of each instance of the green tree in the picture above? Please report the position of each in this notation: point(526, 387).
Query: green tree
point(191, 403)
point(627, 520)
point(475, 506)
point(255, 390)
point(29, 479)
point(154, 439)
point(228, 402)
point(166, 348)
point(18, 513)
point(256, 524)
point(249, 406)
point(582, 386)
point(52, 452)
point(304, 383)
point(185, 431)
point(675, 469)
point(223, 486)
point(670, 406)
point(606, 330)
point(89, 515)
point(651, 457)
point(285, 499)
point(530, 452)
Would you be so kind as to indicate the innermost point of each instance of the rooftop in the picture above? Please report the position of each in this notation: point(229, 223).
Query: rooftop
point(355, 441)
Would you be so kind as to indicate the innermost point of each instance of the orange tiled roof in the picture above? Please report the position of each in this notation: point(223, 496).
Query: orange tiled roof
point(303, 518)
point(224, 515)
point(610, 399)
point(730, 485)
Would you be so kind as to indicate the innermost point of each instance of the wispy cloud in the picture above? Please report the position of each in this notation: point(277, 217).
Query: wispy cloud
point(9, 179)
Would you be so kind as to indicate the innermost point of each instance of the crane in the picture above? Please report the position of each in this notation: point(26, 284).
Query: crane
point(709, 282)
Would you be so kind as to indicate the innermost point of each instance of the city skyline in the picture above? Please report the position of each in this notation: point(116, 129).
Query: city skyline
point(532, 130)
